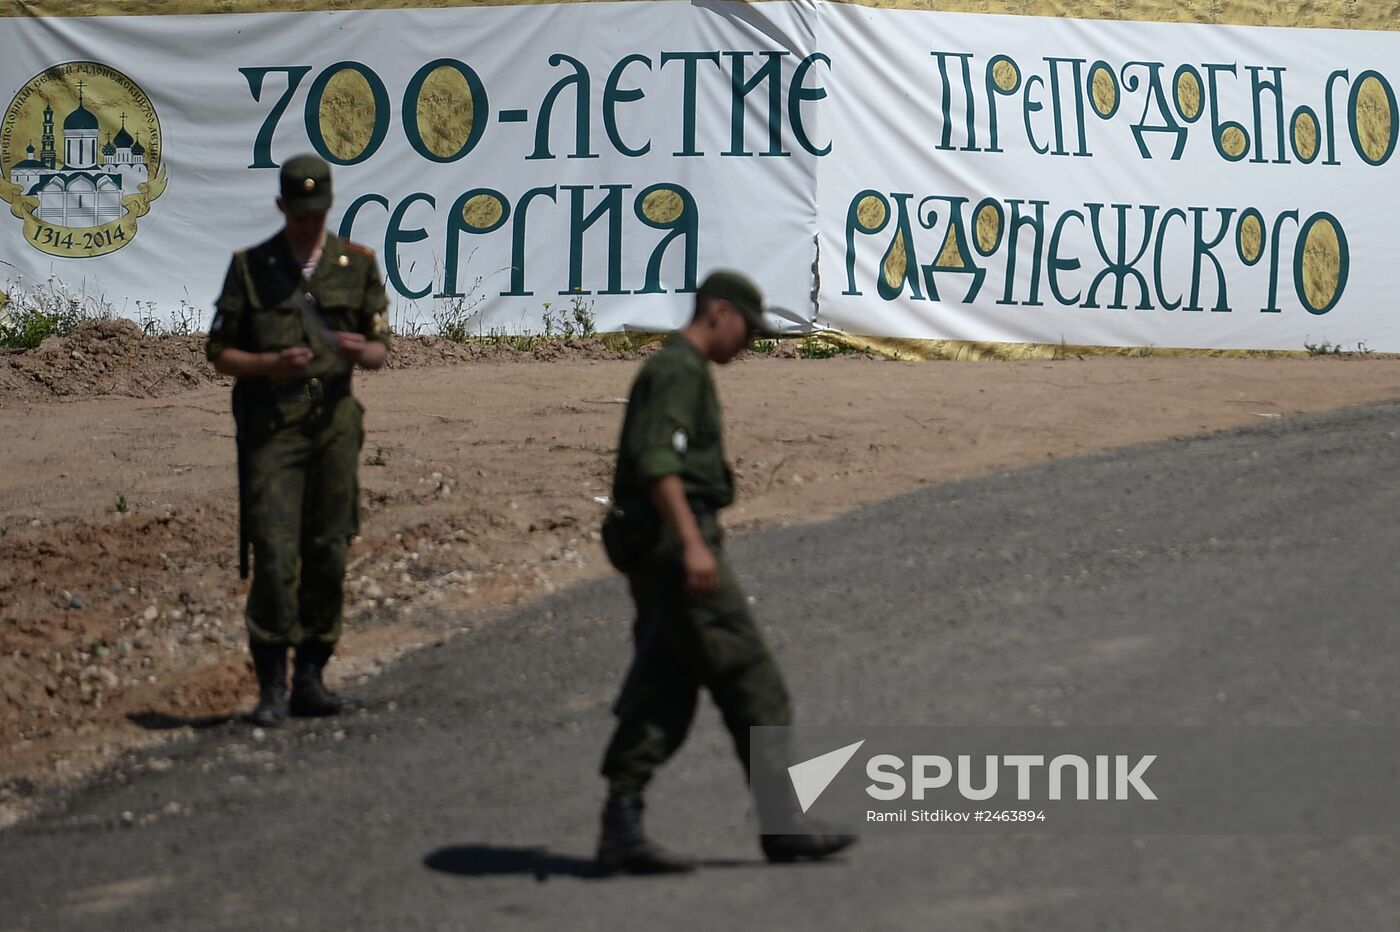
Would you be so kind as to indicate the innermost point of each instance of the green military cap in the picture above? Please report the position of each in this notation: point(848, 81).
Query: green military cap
point(740, 291)
point(306, 184)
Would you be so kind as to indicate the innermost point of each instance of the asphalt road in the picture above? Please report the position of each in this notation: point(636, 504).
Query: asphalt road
point(1246, 578)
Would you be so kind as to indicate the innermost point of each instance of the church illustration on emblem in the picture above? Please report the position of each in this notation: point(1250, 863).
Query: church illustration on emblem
point(86, 190)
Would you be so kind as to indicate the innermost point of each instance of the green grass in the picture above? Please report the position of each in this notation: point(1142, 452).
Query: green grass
point(816, 347)
point(1322, 349)
point(31, 315)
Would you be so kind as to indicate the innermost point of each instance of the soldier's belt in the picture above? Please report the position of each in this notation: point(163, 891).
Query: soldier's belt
point(313, 390)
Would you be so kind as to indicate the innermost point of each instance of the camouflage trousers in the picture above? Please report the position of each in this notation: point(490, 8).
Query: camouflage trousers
point(303, 508)
point(684, 643)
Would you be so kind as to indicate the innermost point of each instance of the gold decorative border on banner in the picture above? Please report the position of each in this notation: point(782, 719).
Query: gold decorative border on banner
point(978, 351)
point(825, 343)
point(1319, 14)
point(72, 88)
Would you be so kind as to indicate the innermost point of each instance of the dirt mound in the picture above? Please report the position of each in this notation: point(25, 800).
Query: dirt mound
point(85, 603)
point(114, 357)
point(105, 357)
point(418, 352)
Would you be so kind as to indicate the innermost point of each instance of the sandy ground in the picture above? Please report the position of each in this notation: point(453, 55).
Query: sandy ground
point(120, 603)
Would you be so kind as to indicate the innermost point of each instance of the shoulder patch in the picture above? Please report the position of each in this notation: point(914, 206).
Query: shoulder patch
point(356, 247)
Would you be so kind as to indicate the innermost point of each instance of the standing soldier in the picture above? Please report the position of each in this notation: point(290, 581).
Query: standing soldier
point(297, 314)
point(693, 628)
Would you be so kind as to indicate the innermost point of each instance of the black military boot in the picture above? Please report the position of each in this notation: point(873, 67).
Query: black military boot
point(624, 848)
point(310, 697)
point(270, 662)
point(784, 849)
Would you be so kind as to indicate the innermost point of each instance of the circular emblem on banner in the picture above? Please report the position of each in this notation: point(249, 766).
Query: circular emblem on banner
point(80, 159)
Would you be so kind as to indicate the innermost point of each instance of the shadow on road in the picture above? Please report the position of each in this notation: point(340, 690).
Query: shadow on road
point(495, 861)
point(160, 721)
point(491, 860)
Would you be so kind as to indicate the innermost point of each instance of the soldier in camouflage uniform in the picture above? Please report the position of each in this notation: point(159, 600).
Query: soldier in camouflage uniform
point(297, 314)
point(693, 627)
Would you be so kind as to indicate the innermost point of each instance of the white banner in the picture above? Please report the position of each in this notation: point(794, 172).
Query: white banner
point(884, 172)
point(1107, 183)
